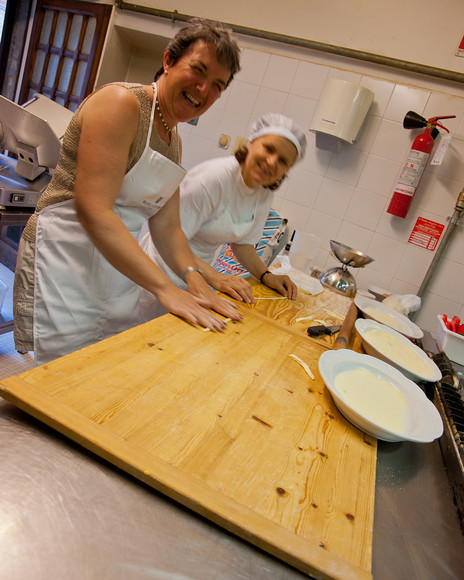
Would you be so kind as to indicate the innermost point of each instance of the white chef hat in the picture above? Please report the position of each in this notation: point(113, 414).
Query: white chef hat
point(277, 124)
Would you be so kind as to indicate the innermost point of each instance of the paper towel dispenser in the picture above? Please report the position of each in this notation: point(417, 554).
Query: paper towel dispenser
point(341, 110)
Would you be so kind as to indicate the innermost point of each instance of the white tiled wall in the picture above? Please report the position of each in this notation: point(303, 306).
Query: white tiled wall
point(344, 195)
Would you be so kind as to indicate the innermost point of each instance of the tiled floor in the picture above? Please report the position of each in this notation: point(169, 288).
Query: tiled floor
point(11, 362)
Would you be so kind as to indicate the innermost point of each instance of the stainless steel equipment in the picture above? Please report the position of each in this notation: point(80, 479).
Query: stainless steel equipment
point(340, 279)
point(33, 133)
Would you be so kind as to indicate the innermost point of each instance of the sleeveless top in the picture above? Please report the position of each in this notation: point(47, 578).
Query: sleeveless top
point(61, 186)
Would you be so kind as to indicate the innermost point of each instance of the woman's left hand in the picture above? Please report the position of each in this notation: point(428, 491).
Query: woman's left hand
point(236, 286)
point(282, 284)
point(207, 298)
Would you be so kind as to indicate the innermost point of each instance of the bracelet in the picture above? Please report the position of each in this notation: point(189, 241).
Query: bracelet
point(190, 269)
point(263, 274)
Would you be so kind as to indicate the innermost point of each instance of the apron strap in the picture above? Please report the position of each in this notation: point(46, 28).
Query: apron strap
point(152, 113)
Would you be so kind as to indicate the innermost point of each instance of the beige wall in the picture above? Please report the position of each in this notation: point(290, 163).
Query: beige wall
point(421, 31)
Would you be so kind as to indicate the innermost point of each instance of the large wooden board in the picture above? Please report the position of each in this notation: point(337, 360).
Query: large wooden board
point(227, 424)
point(327, 308)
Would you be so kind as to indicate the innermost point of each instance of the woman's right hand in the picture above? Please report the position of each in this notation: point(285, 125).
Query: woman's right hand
point(185, 305)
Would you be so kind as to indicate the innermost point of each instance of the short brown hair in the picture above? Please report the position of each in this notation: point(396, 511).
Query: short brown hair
point(227, 50)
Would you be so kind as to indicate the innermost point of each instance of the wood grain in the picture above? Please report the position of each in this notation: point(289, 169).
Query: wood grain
point(326, 308)
point(228, 425)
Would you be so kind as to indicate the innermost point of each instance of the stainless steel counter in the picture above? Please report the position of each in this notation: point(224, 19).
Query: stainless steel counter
point(65, 513)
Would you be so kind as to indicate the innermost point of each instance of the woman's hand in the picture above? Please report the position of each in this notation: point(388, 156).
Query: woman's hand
point(282, 284)
point(194, 308)
point(207, 298)
point(236, 286)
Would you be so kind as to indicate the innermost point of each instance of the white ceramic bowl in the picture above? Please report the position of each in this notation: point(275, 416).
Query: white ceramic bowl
point(424, 423)
point(430, 373)
point(388, 316)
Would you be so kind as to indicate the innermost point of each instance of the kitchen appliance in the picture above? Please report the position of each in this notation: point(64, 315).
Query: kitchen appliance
point(32, 133)
point(340, 279)
point(341, 110)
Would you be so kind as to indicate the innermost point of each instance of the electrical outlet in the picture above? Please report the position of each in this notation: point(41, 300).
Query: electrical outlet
point(224, 141)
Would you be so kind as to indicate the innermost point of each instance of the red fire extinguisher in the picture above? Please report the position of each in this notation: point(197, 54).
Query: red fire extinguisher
point(416, 161)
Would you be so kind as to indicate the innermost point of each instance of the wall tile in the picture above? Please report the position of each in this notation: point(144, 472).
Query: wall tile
point(367, 133)
point(395, 227)
point(438, 194)
point(432, 306)
point(309, 80)
point(242, 98)
point(456, 246)
point(386, 252)
point(303, 187)
point(392, 141)
point(323, 225)
point(401, 287)
point(200, 152)
point(378, 175)
point(333, 198)
point(344, 75)
point(444, 284)
point(208, 124)
point(234, 125)
point(280, 73)
point(365, 209)
point(354, 236)
point(315, 160)
point(268, 101)
point(296, 214)
point(300, 109)
point(414, 265)
point(368, 276)
point(347, 165)
point(406, 99)
point(254, 65)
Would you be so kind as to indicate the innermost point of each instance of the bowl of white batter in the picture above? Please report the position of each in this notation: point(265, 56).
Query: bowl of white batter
point(379, 399)
point(394, 348)
point(385, 315)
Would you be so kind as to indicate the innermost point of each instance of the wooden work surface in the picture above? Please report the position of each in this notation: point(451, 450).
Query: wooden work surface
point(327, 308)
point(228, 425)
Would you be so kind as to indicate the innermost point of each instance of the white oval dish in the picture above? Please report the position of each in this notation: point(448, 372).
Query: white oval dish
point(431, 372)
point(424, 423)
point(383, 314)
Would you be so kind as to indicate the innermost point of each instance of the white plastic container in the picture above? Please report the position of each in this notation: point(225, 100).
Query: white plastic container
point(450, 343)
point(303, 251)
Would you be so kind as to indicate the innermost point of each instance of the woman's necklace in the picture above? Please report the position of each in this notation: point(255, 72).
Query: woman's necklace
point(165, 125)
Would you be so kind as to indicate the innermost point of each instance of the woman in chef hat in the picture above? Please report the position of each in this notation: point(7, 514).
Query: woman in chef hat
point(79, 263)
point(227, 200)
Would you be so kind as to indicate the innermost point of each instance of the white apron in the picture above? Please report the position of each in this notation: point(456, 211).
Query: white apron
point(85, 299)
point(223, 228)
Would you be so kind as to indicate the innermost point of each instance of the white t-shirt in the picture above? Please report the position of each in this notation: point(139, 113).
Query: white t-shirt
point(216, 207)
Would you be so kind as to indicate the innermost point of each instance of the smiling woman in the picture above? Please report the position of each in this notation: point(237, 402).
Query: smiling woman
point(227, 200)
point(79, 268)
